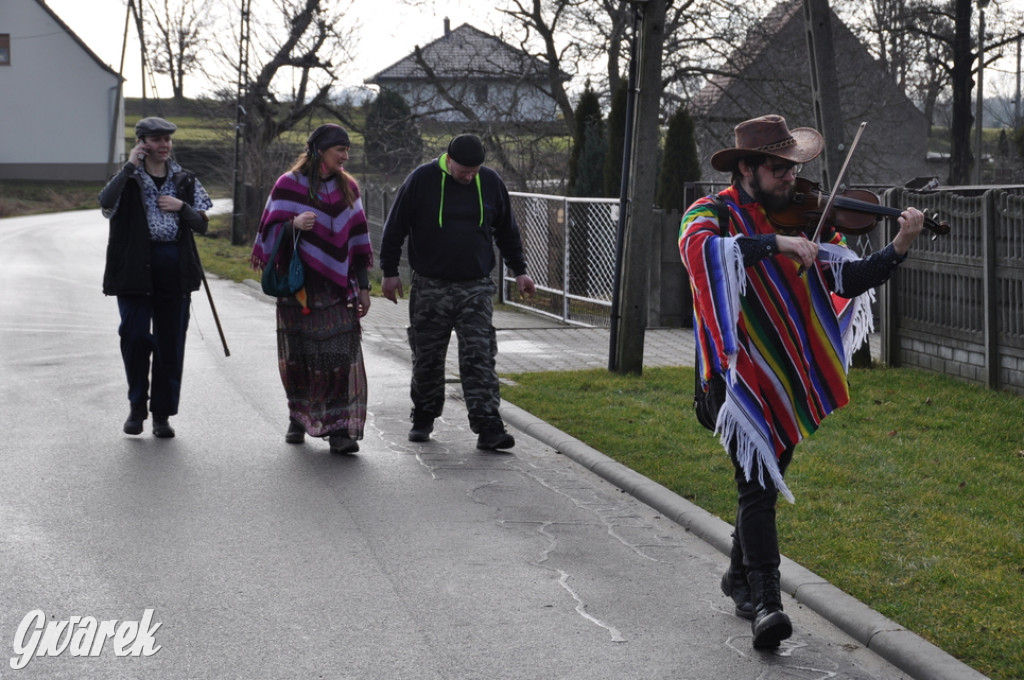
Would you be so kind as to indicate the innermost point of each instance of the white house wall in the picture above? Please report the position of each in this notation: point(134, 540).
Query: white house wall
point(58, 105)
point(505, 102)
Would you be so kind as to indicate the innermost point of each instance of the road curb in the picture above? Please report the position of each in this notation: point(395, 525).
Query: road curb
point(902, 648)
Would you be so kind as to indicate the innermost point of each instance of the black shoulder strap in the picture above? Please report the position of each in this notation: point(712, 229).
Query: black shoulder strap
point(186, 187)
point(723, 212)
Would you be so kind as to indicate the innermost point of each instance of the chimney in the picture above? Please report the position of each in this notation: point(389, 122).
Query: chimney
point(447, 27)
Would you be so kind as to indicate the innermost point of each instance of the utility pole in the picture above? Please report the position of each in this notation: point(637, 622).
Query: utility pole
point(238, 209)
point(828, 114)
point(643, 179)
point(627, 162)
point(824, 85)
point(979, 115)
point(1016, 102)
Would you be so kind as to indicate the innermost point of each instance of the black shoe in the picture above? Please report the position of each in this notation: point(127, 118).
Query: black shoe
point(296, 434)
point(735, 585)
point(342, 443)
point(770, 628)
point(493, 439)
point(136, 416)
point(162, 428)
point(421, 430)
point(770, 625)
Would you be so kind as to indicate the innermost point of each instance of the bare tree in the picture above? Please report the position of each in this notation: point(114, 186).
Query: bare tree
point(293, 81)
point(182, 27)
point(931, 48)
point(545, 22)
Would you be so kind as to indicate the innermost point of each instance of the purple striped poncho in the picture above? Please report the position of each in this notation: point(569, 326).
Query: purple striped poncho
point(339, 235)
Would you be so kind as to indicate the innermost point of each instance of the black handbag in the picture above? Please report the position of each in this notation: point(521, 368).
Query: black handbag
point(708, 402)
point(279, 283)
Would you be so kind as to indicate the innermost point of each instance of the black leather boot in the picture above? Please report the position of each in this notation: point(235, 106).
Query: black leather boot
point(734, 582)
point(296, 434)
point(340, 442)
point(136, 416)
point(734, 585)
point(771, 625)
point(162, 427)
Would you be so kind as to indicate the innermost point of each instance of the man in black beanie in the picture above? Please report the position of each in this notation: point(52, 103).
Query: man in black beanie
point(453, 210)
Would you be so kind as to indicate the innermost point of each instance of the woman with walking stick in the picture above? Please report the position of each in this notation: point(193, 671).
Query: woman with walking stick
point(153, 205)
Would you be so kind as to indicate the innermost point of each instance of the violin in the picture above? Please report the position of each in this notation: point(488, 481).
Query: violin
point(854, 211)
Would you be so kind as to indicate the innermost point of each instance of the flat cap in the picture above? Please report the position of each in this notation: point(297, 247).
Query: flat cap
point(154, 126)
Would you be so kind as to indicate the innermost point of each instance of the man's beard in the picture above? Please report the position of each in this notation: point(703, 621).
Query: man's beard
point(770, 201)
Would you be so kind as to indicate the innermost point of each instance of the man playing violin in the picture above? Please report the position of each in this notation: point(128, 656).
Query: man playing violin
point(764, 319)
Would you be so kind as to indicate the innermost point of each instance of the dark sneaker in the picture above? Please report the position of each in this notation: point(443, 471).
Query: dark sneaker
point(296, 434)
point(136, 417)
point(342, 443)
point(494, 439)
point(162, 428)
point(421, 430)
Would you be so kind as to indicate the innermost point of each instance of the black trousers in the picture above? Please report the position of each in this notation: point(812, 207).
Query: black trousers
point(756, 538)
point(154, 326)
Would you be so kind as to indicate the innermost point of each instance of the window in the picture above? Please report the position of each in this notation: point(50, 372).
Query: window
point(480, 94)
point(5, 49)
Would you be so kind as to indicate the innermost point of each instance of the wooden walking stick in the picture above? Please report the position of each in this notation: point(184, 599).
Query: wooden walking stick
point(209, 296)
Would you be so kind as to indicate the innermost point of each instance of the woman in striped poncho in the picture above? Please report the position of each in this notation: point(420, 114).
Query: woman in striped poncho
point(764, 319)
point(318, 331)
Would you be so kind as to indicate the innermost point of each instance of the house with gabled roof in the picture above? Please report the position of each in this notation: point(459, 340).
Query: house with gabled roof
point(468, 68)
point(770, 73)
point(62, 109)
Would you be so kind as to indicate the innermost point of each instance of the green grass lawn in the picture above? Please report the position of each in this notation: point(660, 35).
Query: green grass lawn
point(29, 197)
point(911, 499)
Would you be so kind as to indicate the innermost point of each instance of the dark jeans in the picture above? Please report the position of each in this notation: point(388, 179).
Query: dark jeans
point(156, 325)
point(756, 538)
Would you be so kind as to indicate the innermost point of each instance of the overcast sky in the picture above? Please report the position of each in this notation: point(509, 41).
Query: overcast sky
point(390, 31)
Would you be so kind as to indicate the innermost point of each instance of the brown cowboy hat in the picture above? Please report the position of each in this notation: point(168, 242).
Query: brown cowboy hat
point(768, 135)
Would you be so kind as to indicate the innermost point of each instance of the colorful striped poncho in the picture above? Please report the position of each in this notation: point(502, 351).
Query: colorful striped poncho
point(772, 331)
point(339, 236)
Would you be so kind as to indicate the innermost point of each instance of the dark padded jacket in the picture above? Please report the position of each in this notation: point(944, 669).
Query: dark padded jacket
point(127, 270)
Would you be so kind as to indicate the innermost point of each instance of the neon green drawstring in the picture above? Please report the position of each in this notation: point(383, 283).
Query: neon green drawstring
point(443, 162)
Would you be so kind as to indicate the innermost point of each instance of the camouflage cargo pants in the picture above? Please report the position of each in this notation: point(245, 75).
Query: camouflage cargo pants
point(436, 307)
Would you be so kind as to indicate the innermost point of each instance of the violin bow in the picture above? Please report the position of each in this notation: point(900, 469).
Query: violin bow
point(838, 183)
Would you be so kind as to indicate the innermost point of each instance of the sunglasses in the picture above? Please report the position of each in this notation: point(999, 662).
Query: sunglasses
point(780, 171)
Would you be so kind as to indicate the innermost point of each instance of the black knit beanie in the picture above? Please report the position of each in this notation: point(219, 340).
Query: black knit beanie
point(467, 150)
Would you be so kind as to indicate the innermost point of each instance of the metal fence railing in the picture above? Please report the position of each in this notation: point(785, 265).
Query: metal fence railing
point(570, 245)
point(956, 306)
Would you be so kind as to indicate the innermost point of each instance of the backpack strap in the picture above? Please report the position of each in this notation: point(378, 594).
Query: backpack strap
point(722, 210)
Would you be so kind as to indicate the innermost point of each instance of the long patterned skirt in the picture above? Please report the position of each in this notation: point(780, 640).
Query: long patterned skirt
point(321, 362)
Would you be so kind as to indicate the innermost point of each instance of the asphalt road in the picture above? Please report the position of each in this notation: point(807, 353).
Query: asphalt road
point(263, 560)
